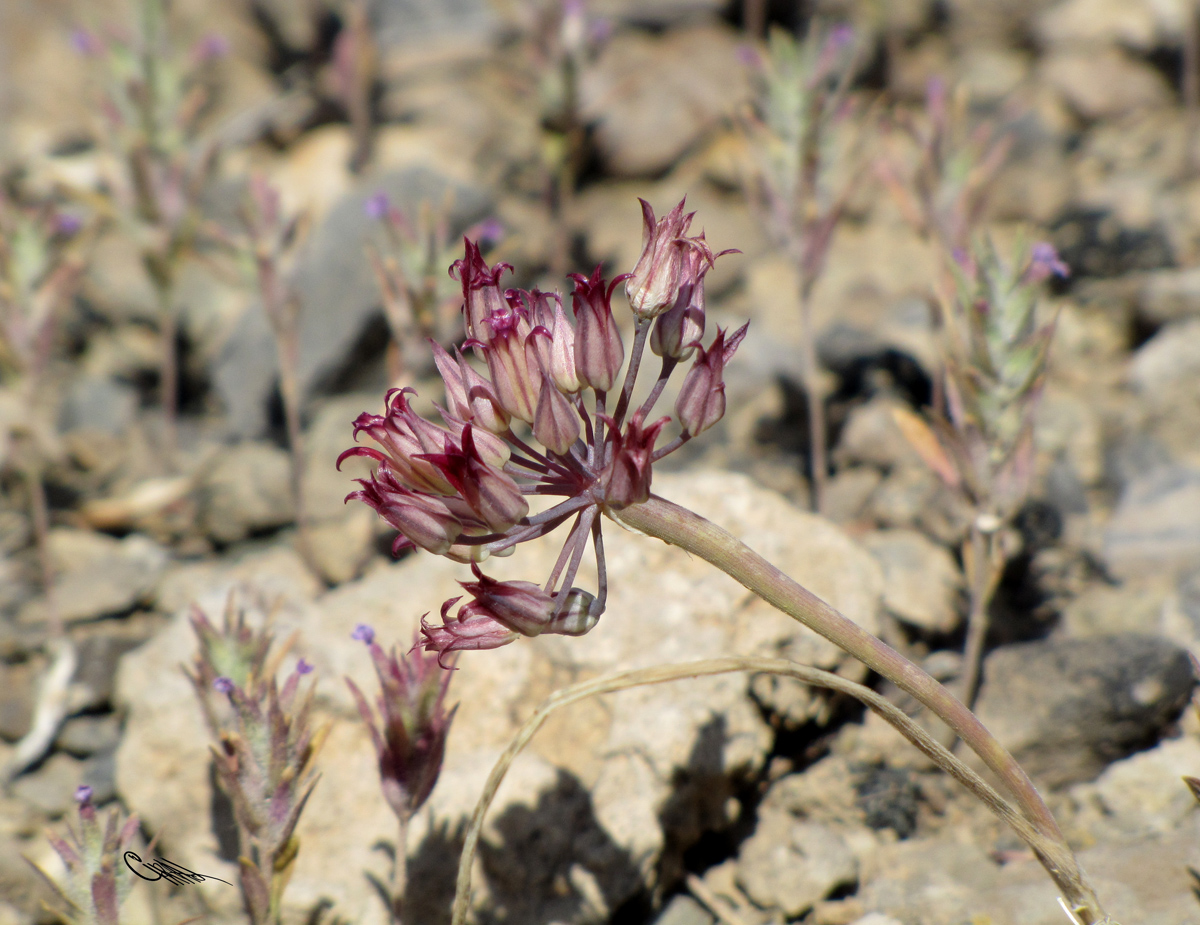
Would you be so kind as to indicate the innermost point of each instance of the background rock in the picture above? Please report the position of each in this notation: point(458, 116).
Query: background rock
point(1066, 708)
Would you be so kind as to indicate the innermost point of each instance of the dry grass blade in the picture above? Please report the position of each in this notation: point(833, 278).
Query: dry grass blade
point(1047, 851)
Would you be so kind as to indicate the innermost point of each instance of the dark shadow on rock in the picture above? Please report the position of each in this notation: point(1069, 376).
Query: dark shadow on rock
point(432, 870)
point(694, 819)
point(550, 857)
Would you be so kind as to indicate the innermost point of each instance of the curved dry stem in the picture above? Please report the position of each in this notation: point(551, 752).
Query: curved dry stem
point(1044, 848)
point(689, 531)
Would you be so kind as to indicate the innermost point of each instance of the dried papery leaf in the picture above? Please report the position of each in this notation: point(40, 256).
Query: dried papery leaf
point(1193, 784)
point(920, 437)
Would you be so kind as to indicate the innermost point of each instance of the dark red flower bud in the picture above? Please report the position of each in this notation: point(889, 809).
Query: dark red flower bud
point(425, 520)
point(482, 294)
point(599, 351)
point(469, 630)
point(626, 479)
point(489, 492)
point(701, 401)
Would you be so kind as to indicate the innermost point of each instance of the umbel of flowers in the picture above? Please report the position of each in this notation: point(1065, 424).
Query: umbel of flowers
point(544, 410)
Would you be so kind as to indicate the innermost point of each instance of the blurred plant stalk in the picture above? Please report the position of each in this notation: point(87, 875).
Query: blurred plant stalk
point(265, 752)
point(268, 244)
point(409, 257)
point(356, 77)
point(804, 89)
point(153, 105)
point(43, 253)
point(981, 441)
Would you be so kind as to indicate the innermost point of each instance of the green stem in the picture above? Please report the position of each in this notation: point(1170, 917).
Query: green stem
point(680, 527)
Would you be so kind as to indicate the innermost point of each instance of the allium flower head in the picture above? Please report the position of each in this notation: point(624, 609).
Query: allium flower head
point(531, 416)
point(410, 736)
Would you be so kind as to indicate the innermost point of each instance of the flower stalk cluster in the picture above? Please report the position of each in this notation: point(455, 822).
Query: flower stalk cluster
point(266, 750)
point(803, 95)
point(97, 880)
point(409, 738)
point(532, 416)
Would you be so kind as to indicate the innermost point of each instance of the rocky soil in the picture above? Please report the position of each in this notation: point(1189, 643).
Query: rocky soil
point(751, 800)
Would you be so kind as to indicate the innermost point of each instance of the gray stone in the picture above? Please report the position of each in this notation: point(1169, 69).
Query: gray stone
point(51, 787)
point(18, 684)
point(1156, 524)
point(1143, 795)
point(1066, 708)
point(683, 910)
point(607, 792)
point(99, 576)
point(652, 96)
point(1169, 295)
point(949, 881)
point(872, 436)
point(85, 735)
point(247, 491)
point(339, 299)
point(1105, 83)
point(921, 582)
point(1170, 356)
point(97, 403)
point(791, 864)
point(415, 22)
point(99, 655)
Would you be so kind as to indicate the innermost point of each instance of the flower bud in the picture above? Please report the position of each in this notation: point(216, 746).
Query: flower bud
point(423, 519)
point(599, 351)
point(679, 329)
point(482, 294)
point(471, 629)
point(513, 364)
point(555, 423)
point(489, 492)
point(410, 739)
point(701, 401)
point(626, 480)
point(653, 286)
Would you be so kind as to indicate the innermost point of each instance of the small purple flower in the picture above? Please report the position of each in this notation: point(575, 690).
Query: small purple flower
point(85, 43)
point(377, 206)
point(363, 633)
point(223, 685)
point(490, 230)
point(67, 224)
point(1044, 262)
point(304, 666)
point(841, 36)
point(211, 47)
point(83, 794)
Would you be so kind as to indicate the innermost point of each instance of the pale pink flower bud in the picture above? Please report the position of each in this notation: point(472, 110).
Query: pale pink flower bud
point(678, 331)
point(599, 351)
point(701, 401)
point(555, 423)
point(515, 371)
point(470, 396)
point(653, 285)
